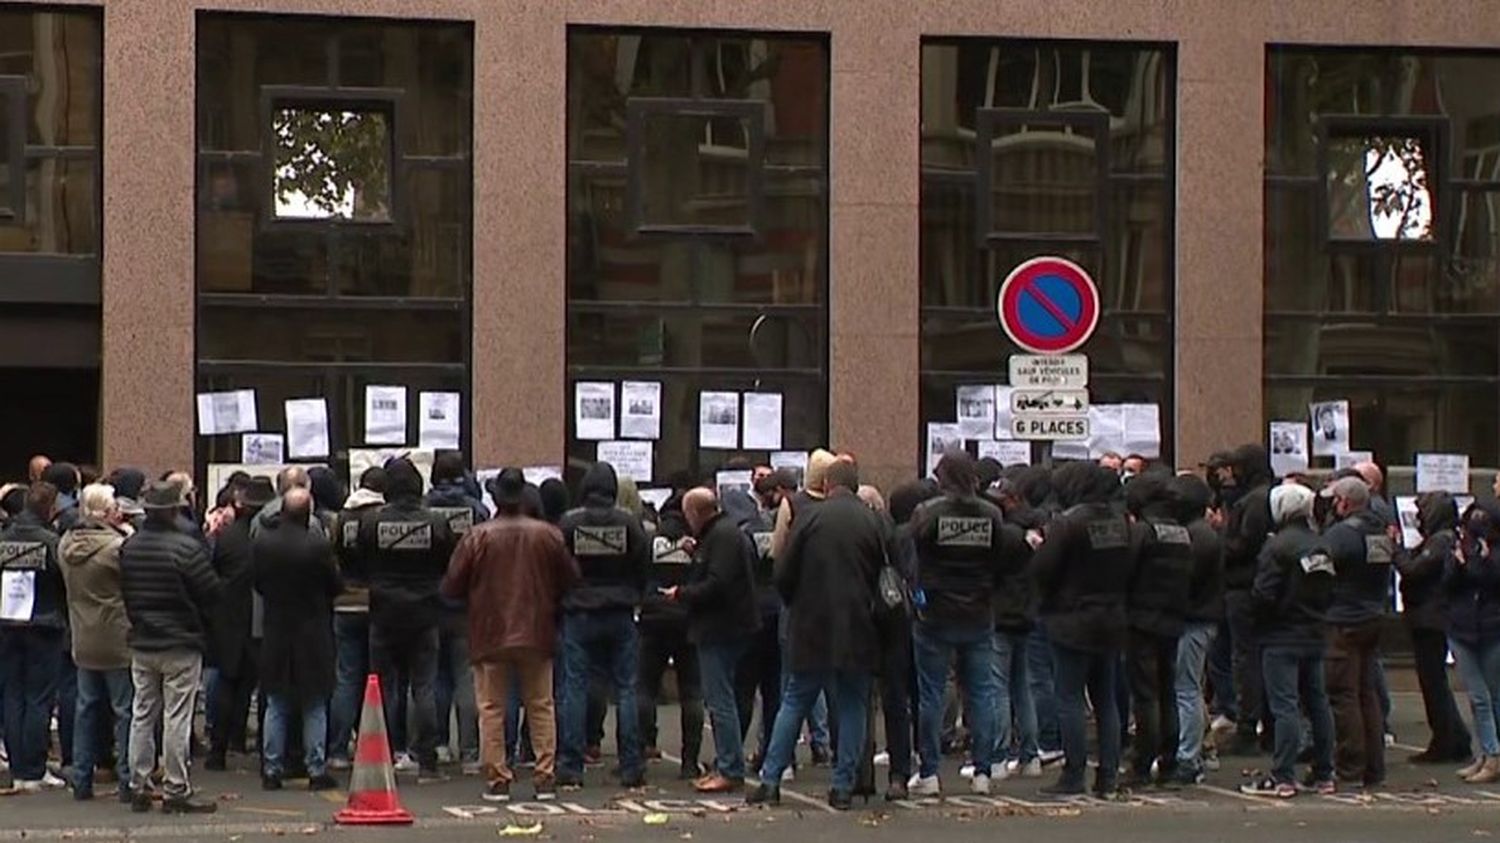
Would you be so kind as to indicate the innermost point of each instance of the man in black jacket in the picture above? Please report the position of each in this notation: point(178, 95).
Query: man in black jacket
point(663, 630)
point(1245, 529)
point(234, 652)
point(1191, 497)
point(169, 589)
point(33, 620)
point(1083, 572)
point(1158, 602)
point(1292, 591)
point(1362, 552)
point(406, 547)
point(722, 621)
point(1422, 596)
point(453, 495)
point(827, 578)
point(598, 622)
point(963, 553)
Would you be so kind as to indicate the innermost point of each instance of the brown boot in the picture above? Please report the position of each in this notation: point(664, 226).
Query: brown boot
point(1488, 772)
point(718, 783)
point(1472, 768)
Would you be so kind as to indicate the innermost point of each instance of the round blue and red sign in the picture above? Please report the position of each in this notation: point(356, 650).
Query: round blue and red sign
point(1048, 306)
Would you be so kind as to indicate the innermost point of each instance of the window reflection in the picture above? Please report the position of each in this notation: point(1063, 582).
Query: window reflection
point(1379, 187)
point(331, 164)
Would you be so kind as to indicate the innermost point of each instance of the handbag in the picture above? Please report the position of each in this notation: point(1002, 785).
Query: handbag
point(891, 589)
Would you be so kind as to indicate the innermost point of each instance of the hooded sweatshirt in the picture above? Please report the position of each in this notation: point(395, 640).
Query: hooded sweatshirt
point(1249, 520)
point(609, 544)
point(1084, 568)
point(1295, 579)
point(356, 595)
point(1422, 570)
point(90, 554)
point(1161, 589)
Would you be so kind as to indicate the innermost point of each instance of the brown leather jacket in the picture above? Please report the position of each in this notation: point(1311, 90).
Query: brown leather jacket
point(513, 572)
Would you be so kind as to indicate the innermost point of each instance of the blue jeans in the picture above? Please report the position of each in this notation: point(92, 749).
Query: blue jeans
point(96, 690)
point(30, 661)
point(851, 697)
point(817, 716)
point(1192, 660)
point(716, 664)
point(1078, 671)
point(1294, 681)
point(279, 711)
point(935, 648)
point(351, 633)
point(1043, 694)
point(1480, 669)
point(609, 639)
point(1013, 698)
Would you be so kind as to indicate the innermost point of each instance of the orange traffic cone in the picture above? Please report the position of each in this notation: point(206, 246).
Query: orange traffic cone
point(372, 790)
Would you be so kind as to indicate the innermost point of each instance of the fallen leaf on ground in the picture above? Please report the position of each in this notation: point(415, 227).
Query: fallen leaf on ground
point(521, 830)
point(655, 819)
point(310, 829)
point(230, 797)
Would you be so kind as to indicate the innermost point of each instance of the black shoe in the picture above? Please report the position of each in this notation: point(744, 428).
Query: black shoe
point(546, 790)
point(896, 791)
point(123, 794)
point(187, 805)
point(820, 757)
point(764, 794)
point(1184, 777)
point(1063, 787)
point(323, 782)
point(567, 782)
point(270, 782)
point(840, 800)
point(1135, 780)
point(215, 762)
point(634, 782)
point(83, 794)
point(691, 771)
point(497, 792)
point(140, 803)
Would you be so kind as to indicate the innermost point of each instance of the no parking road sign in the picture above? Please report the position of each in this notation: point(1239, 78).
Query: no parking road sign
point(1048, 305)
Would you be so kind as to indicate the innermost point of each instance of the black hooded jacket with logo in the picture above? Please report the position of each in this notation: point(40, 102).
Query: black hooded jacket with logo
point(609, 544)
point(964, 551)
point(405, 547)
point(1085, 566)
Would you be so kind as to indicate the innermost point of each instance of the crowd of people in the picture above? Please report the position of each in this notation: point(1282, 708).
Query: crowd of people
point(986, 611)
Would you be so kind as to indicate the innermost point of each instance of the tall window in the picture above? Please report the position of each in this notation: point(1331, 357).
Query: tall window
point(334, 215)
point(1382, 235)
point(1034, 148)
point(50, 208)
point(697, 226)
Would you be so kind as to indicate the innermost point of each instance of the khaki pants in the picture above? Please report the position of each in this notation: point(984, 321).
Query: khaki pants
point(492, 680)
point(165, 686)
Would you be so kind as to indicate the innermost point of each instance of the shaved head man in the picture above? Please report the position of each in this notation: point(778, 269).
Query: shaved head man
point(37, 466)
point(698, 507)
point(297, 504)
point(293, 477)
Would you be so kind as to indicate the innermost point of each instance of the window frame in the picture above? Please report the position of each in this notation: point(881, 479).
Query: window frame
point(1434, 130)
point(640, 109)
point(13, 149)
point(986, 122)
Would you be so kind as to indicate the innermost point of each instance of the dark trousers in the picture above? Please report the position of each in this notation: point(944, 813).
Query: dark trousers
point(231, 703)
point(896, 677)
point(599, 640)
point(411, 652)
point(1450, 738)
point(1353, 651)
point(663, 644)
point(1221, 700)
point(1074, 672)
point(67, 706)
point(760, 670)
point(1245, 651)
point(1151, 669)
point(30, 660)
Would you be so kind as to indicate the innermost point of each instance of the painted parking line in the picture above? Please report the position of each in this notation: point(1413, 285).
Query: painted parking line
point(787, 792)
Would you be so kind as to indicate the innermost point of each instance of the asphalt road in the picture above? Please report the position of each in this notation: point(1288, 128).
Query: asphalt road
point(1419, 804)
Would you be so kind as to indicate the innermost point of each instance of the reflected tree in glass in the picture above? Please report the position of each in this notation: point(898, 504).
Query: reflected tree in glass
point(332, 164)
point(1379, 188)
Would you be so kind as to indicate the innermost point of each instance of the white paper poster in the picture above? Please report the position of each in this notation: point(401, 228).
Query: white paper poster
point(385, 415)
point(656, 497)
point(1106, 430)
point(262, 448)
point(793, 461)
point(630, 459)
point(536, 475)
point(1007, 453)
point(1443, 473)
point(941, 437)
point(976, 410)
point(361, 459)
point(1003, 413)
point(227, 412)
point(1406, 513)
point(1288, 448)
point(437, 420)
point(594, 410)
point(719, 420)
point(762, 421)
point(1330, 427)
point(17, 595)
point(1350, 459)
point(306, 428)
point(1142, 425)
point(486, 476)
point(640, 410)
point(743, 481)
point(1075, 450)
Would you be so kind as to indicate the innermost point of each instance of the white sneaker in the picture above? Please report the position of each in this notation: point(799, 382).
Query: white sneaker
point(339, 764)
point(1001, 771)
point(445, 755)
point(788, 775)
point(52, 782)
point(967, 770)
point(882, 759)
point(924, 785)
point(405, 763)
point(1211, 763)
point(1050, 756)
point(1032, 769)
point(980, 785)
point(29, 785)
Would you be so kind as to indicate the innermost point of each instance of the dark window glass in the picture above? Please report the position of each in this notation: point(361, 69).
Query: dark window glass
point(1380, 238)
point(1078, 167)
point(717, 278)
point(333, 187)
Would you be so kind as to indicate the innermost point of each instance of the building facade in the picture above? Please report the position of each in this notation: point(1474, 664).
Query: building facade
point(1281, 203)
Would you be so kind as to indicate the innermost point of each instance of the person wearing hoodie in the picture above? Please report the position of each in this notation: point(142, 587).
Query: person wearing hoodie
point(1422, 596)
point(351, 617)
point(663, 630)
point(127, 483)
point(1083, 573)
point(1293, 591)
point(1191, 498)
point(32, 635)
point(1160, 594)
point(451, 495)
point(598, 622)
point(761, 668)
point(1013, 605)
point(405, 547)
point(1246, 525)
point(90, 554)
point(1362, 552)
point(1471, 585)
